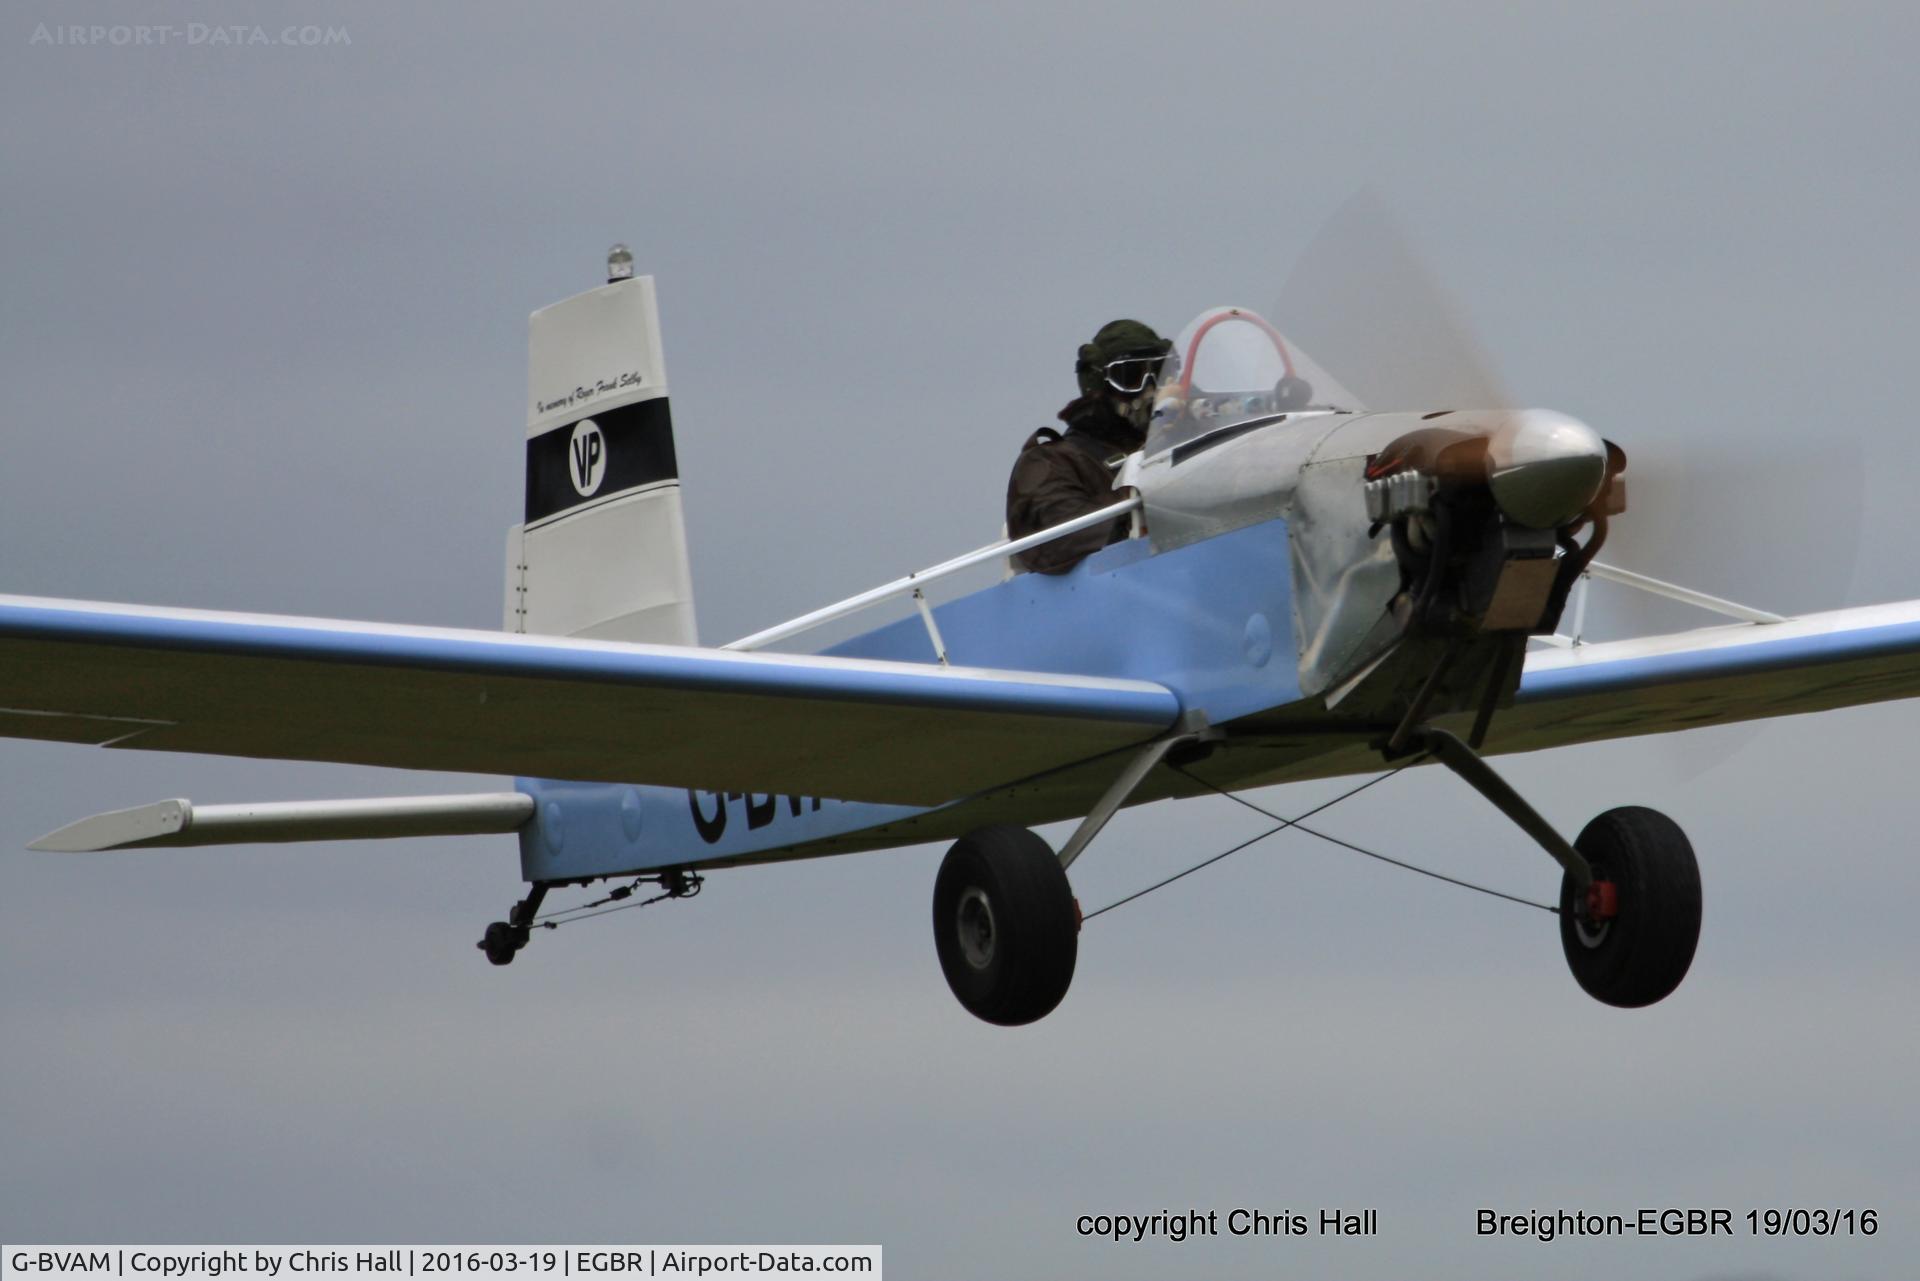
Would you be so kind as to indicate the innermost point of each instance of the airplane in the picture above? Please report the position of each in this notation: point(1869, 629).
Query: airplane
point(1309, 590)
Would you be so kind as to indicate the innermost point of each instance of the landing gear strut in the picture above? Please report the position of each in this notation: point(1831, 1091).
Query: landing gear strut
point(1629, 893)
point(1005, 922)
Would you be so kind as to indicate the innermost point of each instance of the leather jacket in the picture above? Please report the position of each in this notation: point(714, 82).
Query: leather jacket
point(1058, 477)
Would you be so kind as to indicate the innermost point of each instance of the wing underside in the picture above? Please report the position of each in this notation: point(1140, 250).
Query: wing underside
point(490, 703)
point(483, 702)
point(1615, 689)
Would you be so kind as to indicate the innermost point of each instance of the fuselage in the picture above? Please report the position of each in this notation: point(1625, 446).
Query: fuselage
point(1252, 581)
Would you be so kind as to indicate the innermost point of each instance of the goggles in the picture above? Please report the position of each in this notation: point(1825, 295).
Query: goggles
point(1132, 375)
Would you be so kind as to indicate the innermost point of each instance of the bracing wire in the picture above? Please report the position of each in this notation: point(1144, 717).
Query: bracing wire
point(1282, 824)
point(584, 911)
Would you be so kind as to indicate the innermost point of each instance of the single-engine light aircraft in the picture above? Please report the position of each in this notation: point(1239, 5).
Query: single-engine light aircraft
point(1310, 590)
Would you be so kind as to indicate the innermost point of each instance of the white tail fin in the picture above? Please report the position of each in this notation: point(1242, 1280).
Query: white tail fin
point(602, 551)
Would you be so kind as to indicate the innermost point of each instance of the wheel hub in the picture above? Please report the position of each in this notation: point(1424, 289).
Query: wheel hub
point(974, 926)
point(1603, 904)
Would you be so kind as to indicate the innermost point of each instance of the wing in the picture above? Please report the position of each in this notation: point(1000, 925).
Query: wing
point(493, 703)
point(1745, 672)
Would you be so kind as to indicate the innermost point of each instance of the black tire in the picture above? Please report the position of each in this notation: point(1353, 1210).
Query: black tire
point(1005, 925)
point(1640, 955)
point(499, 943)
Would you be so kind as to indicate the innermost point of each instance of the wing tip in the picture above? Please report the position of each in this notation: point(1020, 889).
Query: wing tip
point(118, 828)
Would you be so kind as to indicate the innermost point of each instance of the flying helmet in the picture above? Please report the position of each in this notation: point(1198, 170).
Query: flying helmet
point(1125, 357)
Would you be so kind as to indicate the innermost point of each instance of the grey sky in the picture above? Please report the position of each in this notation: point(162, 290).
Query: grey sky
point(263, 335)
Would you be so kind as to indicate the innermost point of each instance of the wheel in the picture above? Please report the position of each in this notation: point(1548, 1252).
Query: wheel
point(1005, 925)
point(499, 943)
point(1642, 952)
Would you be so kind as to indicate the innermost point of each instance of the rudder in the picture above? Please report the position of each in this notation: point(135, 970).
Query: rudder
point(601, 552)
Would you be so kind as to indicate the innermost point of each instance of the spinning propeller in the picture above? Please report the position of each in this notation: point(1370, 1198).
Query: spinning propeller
point(1766, 513)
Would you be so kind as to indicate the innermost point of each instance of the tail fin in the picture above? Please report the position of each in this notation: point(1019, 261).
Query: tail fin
point(602, 551)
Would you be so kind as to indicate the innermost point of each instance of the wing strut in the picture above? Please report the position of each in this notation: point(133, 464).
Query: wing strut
point(1653, 587)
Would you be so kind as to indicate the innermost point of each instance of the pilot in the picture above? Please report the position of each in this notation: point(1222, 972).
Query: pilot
point(1062, 475)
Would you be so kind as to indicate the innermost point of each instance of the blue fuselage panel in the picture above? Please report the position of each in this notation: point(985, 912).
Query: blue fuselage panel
point(1211, 621)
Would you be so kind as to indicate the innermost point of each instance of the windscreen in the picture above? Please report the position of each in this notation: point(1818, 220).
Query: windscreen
point(1228, 366)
